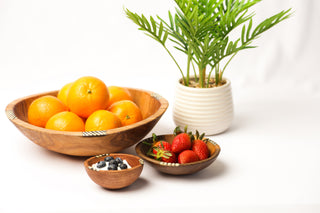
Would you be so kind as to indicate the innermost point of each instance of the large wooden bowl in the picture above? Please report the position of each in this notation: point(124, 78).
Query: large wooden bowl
point(176, 168)
point(115, 179)
point(94, 142)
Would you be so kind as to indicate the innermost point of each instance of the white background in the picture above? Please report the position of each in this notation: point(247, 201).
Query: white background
point(270, 156)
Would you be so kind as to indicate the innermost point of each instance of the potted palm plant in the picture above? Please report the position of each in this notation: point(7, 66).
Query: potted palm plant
point(201, 29)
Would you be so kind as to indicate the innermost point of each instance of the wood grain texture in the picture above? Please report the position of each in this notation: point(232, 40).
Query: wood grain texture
point(176, 168)
point(115, 179)
point(75, 143)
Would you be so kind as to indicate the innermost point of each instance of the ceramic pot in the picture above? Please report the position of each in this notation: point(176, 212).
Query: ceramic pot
point(208, 110)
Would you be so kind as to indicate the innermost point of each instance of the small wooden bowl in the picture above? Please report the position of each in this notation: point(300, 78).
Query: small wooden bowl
point(116, 179)
point(90, 143)
point(176, 168)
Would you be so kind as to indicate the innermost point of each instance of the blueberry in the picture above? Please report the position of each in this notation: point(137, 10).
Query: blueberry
point(108, 158)
point(113, 167)
point(113, 161)
point(123, 166)
point(119, 160)
point(101, 164)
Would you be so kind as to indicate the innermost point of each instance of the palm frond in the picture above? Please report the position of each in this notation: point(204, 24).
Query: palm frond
point(201, 28)
point(150, 27)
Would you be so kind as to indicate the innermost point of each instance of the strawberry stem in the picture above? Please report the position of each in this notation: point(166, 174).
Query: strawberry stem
point(177, 131)
point(154, 137)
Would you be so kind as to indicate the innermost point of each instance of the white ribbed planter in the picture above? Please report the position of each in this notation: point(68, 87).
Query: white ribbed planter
point(208, 110)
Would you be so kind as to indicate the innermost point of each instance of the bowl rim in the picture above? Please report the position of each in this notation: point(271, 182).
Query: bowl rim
point(11, 116)
point(89, 167)
point(160, 163)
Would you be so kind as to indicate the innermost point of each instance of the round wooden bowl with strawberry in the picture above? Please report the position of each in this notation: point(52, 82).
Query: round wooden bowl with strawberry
point(178, 154)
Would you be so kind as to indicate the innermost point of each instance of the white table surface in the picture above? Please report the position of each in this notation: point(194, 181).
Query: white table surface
point(269, 160)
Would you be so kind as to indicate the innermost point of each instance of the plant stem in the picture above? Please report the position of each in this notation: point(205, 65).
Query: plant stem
point(188, 69)
point(195, 73)
point(188, 65)
point(209, 76)
point(183, 77)
point(217, 79)
point(227, 64)
point(202, 76)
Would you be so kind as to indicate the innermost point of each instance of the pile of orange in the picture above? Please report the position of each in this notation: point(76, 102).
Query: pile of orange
point(86, 104)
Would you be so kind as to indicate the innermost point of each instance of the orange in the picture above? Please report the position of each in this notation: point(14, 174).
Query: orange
point(66, 121)
point(127, 111)
point(118, 94)
point(102, 120)
point(86, 95)
point(41, 109)
point(63, 93)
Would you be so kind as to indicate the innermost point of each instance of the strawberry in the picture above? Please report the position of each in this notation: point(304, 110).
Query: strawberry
point(161, 150)
point(161, 144)
point(168, 158)
point(163, 155)
point(200, 148)
point(187, 156)
point(181, 142)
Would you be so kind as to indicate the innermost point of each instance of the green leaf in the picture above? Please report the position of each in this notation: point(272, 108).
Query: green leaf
point(160, 30)
point(164, 39)
point(248, 30)
point(243, 34)
point(171, 19)
point(145, 22)
point(154, 26)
